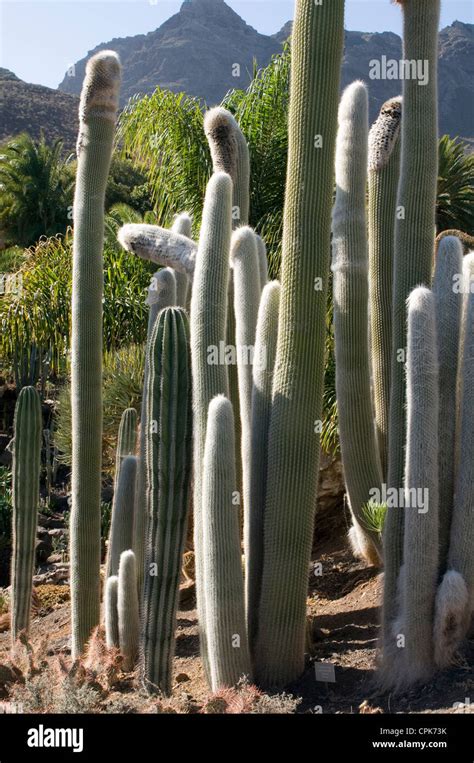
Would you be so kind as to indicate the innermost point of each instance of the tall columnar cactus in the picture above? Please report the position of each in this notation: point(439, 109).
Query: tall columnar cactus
point(97, 114)
point(360, 456)
point(126, 440)
point(246, 277)
point(227, 643)
point(111, 612)
point(182, 225)
point(168, 463)
point(127, 608)
point(384, 172)
point(420, 549)
point(121, 525)
point(161, 294)
point(230, 154)
point(448, 301)
point(25, 482)
point(262, 372)
point(414, 246)
point(293, 453)
point(455, 597)
point(208, 321)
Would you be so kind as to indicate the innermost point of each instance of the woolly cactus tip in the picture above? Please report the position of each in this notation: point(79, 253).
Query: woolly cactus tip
point(218, 119)
point(150, 242)
point(111, 583)
point(220, 182)
point(449, 246)
point(127, 557)
point(163, 281)
point(243, 240)
point(183, 220)
point(353, 99)
point(129, 462)
point(220, 407)
point(420, 300)
point(100, 91)
point(384, 133)
point(220, 129)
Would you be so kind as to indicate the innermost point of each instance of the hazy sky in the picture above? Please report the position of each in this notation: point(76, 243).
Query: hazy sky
point(39, 40)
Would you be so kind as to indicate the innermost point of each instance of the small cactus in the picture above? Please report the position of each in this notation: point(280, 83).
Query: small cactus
point(25, 480)
point(227, 644)
point(111, 612)
point(127, 608)
point(121, 525)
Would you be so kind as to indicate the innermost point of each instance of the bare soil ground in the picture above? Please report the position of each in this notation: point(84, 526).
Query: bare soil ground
point(343, 616)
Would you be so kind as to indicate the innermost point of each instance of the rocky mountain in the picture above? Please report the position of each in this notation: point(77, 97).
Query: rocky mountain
point(33, 108)
point(456, 72)
point(204, 50)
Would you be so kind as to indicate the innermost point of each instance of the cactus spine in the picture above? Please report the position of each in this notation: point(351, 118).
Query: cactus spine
point(97, 112)
point(262, 371)
point(448, 303)
point(208, 320)
point(168, 463)
point(127, 609)
point(384, 171)
point(121, 526)
point(414, 245)
point(227, 644)
point(25, 482)
point(161, 294)
point(111, 612)
point(359, 448)
point(293, 454)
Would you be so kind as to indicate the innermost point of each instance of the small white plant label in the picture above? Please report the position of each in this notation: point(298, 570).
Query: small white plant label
point(325, 672)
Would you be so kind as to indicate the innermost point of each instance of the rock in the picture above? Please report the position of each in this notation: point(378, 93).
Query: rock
point(57, 574)
point(44, 544)
point(51, 521)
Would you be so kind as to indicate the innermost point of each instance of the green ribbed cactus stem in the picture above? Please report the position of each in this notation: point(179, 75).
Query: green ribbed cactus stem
point(262, 372)
point(293, 454)
point(262, 261)
point(227, 644)
point(384, 172)
point(127, 608)
point(360, 455)
point(127, 438)
point(168, 461)
point(448, 302)
point(208, 321)
point(27, 429)
point(420, 549)
point(121, 525)
point(182, 225)
point(414, 248)
point(97, 115)
point(161, 294)
point(246, 278)
point(111, 612)
point(455, 597)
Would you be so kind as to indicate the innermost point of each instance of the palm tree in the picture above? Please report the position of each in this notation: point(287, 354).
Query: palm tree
point(455, 208)
point(36, 190)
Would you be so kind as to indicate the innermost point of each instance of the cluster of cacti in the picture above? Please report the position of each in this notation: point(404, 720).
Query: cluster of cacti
point(401, 396)
point(233, 392)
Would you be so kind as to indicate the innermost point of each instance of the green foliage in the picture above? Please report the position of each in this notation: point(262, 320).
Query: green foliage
point(5, 505)
point(37, 189)
point(40, 315)
point(11, 259)
point(127, 184)
point(122, 388)
point(374, 516)
point(455, 206)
